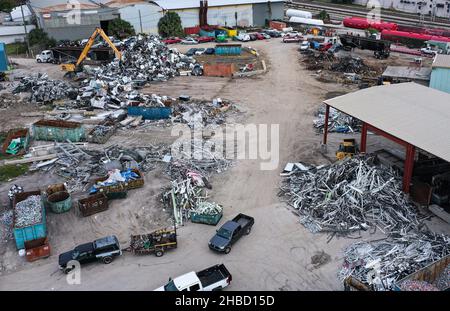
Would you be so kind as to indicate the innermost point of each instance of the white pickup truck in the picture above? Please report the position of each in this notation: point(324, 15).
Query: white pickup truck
point(214, 278)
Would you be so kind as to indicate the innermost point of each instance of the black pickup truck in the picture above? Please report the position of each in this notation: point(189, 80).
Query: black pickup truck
point(230, 232)
point(104, 249)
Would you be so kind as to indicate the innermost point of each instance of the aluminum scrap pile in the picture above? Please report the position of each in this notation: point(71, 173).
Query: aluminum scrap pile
point(44, 90)
point(337, 122)
point(199, 113)
point(199, 158)
point(383, 263)
point(6, 223)
point(8, 99)
point(350, 195)
point(28, 212)
point(183, 196)
point(207, 208)
point(146, 58)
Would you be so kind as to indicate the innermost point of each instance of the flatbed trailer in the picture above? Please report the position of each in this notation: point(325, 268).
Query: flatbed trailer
point(156, 242)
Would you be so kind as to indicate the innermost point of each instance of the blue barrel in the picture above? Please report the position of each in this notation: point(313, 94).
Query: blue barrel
point(3, 58)
point(150, 113)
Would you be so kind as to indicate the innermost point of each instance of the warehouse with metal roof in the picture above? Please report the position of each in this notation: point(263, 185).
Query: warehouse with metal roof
point(409, 114)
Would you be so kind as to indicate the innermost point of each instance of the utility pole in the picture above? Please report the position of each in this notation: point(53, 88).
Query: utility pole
point(235, 18)
point(25, 27)
point(140, 21)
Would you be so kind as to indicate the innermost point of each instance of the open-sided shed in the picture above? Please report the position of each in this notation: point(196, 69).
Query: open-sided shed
point(409, 114)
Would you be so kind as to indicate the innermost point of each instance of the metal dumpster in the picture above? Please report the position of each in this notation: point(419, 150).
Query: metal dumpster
point(93, 204)
point(13, 134)
point(150, 113)
point(228, 49)
point(58, 199)
point(121, 186)
point(58, 130)
point(206, 219)
point(30, 232)
point(37, 249)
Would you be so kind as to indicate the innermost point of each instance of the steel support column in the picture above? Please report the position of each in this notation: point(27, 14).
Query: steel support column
point(409, 167)
point(363, 143)
point(325, 126)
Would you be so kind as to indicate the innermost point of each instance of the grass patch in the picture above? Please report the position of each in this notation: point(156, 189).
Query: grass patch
point(10, 171)
point(16, 48)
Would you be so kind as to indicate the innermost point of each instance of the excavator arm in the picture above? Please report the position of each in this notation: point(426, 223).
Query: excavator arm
point(87, 48)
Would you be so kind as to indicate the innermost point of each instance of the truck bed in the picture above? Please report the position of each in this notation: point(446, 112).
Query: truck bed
point(213, 275)
point(244, 220)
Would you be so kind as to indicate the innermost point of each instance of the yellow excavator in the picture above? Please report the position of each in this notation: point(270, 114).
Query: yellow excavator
point(72, 68)
point(348, 148)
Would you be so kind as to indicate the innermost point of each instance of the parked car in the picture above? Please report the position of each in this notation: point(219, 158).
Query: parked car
point(189, 41)
point(205, 39)
point(292, 39)
point(214, 278)
point(323, 47)
point(273, 33)
point(172, 40)
point(104, 249)
point(210, 51)
point(45, 56)
point(428, 50)
point(243, 37)
point(191, 52)
point(304, 45)
point(335, 48)
point(265, 35)
point(253, 37)
point(259, 36)
point(200, 51)
point(230, 232)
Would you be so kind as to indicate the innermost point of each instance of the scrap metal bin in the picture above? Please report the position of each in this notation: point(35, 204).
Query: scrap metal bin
point(13, 134)
point(61, 131)
point(93, 204)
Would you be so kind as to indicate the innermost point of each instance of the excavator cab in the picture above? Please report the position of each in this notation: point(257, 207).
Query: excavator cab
point(347, 148)
point(72, 68)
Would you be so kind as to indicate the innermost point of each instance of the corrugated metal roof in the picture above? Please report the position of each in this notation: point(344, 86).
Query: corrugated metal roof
point(414, 73)
point(411, 112)
point(187, 4)
point(441, 61)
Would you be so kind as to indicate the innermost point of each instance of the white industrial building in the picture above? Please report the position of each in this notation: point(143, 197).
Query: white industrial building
point(13, 34)
point(438, 8)
point(226, 12)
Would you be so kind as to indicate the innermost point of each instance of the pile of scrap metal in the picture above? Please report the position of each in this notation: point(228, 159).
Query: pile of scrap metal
point(385, 264)
point(337, 122)
point(145, 59)
point(199, 113)
point(348, 196)
point(317, 61)
point(28, 211)
point(44, 90)
point(189, 175)
point(351, 64)
point(8, 99)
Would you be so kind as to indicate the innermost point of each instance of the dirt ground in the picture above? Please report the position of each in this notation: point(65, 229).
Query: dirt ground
point(275, 256)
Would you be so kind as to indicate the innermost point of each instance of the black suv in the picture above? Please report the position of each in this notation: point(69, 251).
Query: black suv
point(104, 249)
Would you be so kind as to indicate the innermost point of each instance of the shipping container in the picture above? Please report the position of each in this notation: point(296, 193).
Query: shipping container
point(3, 58)
point(207, 33)
point(219, 70)
point(58, 130)
point(277, 25)
point(228, 49)
point(32, 232)
point(58, 198)
point(229, 31)
point(13, 134)
point(93, 204)
point(150, 113)
point(191, 30)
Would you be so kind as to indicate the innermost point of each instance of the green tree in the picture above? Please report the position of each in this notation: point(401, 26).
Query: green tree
point(120, 28)
point(7, 5)
point(323, 15)
point(39, 37)
point(170, 25)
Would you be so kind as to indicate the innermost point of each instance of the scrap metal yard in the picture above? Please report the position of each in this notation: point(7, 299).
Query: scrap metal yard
point(100, 153)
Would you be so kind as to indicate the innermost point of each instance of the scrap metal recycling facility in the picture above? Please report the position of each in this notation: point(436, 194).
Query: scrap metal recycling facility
point(240, 145)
